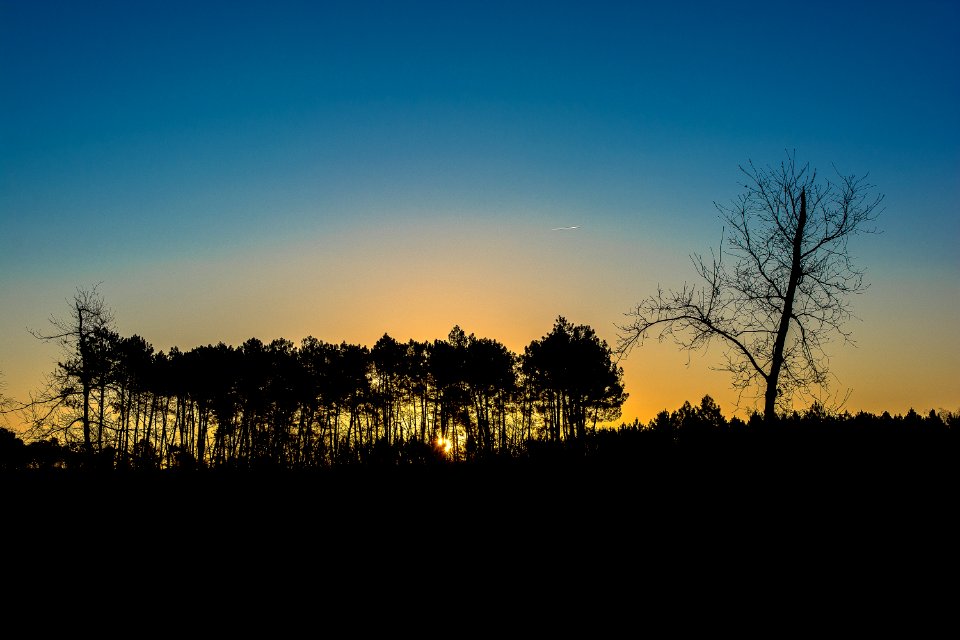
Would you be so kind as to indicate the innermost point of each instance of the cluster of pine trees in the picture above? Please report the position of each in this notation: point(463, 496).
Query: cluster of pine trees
point(116, 402)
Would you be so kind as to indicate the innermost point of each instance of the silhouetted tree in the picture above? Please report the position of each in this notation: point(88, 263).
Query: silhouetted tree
point(205, 382)
point(699, 425)
point(417, 379)
point(490, 381)
point(314, 421)
point(82, 336)
point(447, 365)
point(351, 391)
point(48, 453)
point(575, 377)
point(783, 291)
point(283, 400)
point(387, 357)
point(13, 451)
point(132, 370)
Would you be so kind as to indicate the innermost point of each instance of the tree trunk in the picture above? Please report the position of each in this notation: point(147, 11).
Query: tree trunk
point(85, 366)
point(776, 362)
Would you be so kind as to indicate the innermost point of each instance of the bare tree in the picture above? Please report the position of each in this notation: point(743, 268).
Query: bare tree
point(778, 290)
point(78, 375)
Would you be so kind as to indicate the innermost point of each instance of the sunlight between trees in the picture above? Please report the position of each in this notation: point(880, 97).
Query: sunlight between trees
point(118, 400)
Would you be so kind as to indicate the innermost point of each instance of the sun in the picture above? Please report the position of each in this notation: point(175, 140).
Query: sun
point(444, 445)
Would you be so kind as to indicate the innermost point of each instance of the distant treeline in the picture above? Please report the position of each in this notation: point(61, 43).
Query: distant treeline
point(115, 402)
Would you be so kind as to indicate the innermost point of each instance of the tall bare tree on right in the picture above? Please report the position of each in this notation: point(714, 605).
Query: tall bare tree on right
point(779, 288)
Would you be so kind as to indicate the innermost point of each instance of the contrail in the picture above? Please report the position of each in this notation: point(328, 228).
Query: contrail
point(565, 228)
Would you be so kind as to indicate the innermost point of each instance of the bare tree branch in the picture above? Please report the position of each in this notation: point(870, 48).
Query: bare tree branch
point(65, 400)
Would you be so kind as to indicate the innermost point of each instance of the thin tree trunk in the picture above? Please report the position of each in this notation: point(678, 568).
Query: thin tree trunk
point(770, 397)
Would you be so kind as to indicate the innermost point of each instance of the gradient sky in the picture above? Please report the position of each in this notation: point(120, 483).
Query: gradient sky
point(231, 170)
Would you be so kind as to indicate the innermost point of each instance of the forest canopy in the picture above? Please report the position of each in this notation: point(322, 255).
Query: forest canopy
point(283, 405)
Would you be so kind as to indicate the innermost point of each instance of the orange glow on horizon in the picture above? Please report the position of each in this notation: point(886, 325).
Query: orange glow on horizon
point(512, 290)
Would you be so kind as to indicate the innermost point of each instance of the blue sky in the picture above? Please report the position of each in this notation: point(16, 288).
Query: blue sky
point(248, 163)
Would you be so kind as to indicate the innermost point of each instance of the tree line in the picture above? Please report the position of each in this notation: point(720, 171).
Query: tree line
point(116, 402)
point(693, 431)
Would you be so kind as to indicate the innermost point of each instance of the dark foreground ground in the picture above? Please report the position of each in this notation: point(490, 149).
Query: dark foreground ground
point(760, 542)
point(703, 489)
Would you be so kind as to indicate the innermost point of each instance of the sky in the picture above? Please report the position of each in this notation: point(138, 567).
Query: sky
point(228, 170)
